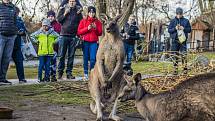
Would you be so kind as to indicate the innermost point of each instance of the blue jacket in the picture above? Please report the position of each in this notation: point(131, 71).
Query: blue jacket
point(21, 28)
point(183, 22)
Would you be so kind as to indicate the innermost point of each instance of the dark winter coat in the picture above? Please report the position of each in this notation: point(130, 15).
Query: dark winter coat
point(183, 22)
point(131, 31)
point(8, 19)
point(70, 22)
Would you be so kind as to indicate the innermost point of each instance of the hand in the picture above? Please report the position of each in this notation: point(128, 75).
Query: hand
point(21, 33)
point(90, 27)
point(67, 10)
point(177, 27)
point(93, 25)
point(127, 36)
point(79, 11)
point(181, 28)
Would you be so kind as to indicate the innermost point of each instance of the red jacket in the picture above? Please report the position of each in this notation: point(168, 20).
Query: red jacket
point(56, 26)
point(93, 34)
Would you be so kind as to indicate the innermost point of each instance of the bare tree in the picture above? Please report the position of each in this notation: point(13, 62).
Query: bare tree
point(123, 7)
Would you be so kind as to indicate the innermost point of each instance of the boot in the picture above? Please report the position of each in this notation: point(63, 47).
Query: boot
point(53, 78)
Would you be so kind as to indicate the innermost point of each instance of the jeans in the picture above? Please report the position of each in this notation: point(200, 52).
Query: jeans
point(44, 61)
point(18, 60)
point(89, 53)
point(179, 49)
point(129, 51)
point(6, 49)
point(67, 43)
point(54, 65)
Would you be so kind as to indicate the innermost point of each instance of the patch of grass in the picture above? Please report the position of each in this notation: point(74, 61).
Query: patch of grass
point(42, 92)
point(152, 67)
point(209, 55)
point(32, 73)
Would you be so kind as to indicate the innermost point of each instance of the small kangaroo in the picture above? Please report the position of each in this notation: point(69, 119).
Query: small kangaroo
point(192, 100)
point(106, 79)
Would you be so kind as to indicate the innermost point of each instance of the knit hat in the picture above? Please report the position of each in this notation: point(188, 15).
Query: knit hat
point(91, 9)
point(51, 13)
point(179, 10)
point(46, 22)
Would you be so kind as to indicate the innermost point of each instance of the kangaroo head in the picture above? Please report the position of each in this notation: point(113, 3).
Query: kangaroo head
point(111, 25)
point(133, 90)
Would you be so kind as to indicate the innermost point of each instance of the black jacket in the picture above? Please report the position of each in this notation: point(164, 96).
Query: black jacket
point(131, 31)
point(69, 22)
point(8, 19)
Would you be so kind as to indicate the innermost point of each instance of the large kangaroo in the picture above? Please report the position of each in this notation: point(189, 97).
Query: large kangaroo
point(192, 100)
point(106, 79)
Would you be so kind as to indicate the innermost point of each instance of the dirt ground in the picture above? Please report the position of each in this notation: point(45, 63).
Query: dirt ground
point(39, 111)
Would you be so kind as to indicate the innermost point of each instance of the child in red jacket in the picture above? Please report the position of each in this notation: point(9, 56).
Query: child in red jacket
point(90, 29)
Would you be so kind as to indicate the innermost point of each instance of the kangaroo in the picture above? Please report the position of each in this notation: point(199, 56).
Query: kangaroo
point(106, 79)
point(192, 100)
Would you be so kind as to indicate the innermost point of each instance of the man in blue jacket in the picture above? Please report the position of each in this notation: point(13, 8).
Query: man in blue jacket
point(8, 32)
point(177, 47)
point(17, 53)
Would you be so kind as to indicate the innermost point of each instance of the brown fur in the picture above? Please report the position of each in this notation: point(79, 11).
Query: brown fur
point(106, 77)
point(192, 100)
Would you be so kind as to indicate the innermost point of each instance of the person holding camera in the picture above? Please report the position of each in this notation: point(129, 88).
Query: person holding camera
point(130, 34)
point(69, 17)
point(90, 29)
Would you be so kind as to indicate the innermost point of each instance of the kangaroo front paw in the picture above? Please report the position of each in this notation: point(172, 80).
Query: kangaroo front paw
point(115, 118)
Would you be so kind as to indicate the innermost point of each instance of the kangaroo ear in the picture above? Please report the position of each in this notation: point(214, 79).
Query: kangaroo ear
point(116, 19)
point(137, 78)
point(104, 17)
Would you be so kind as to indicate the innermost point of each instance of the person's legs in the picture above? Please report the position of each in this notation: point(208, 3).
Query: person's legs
point(71, 55)
point(2, 46)
point(126, 56)
point(18, 60)
point(40, 68)
point(183, 52)
point(7, 54)
point(175, 46)
point(93, 51)
point(130, 52)
point(47, 67)
point(53, 67)
point(63, 49)
point(86, 56)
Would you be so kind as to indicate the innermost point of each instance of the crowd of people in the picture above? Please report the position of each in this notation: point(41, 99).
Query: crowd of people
point(59, 35)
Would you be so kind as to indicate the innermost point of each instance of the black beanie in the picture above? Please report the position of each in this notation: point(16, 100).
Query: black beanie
point(91, 8)
point(51, 12)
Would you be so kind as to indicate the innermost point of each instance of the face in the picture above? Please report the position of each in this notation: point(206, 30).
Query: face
point(6, 1)
point(131, 19)
point(179, 15)
point(92, 14)
point(45, 27)
point(51, 18)
point(131, 89)
point(110, 24)
point(72, 3)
